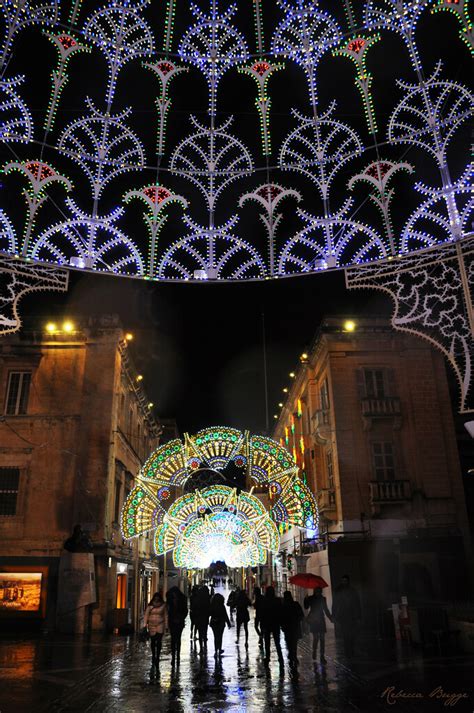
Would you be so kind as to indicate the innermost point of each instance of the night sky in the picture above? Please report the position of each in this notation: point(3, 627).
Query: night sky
point(200, 347)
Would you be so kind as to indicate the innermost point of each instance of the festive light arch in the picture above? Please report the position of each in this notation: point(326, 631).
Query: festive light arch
point(219, 520)
point(321, 146)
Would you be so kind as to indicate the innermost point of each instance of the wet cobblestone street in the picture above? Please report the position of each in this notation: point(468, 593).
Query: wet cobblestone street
point(101, 675)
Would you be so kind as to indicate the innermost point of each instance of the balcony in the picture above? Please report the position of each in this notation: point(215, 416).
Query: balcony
point(374, 407)
point(389, 492)
point(321, 426)
point(326, 500)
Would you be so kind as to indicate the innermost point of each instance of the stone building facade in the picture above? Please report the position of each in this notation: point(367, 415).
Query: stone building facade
point(75, 427)
point(368, 417)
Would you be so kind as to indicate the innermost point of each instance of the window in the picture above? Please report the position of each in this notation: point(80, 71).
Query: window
point(9, 481)
point(384, 461)
point(324, 399)
point(118, 492)
point(330, 469)
point(17, 392)
point(130, 423)
point(374, 383)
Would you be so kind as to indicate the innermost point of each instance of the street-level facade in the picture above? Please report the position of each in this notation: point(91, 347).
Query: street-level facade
point(369, 420)
point(75, 428)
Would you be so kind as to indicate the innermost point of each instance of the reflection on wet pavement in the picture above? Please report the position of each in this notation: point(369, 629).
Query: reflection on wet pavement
point(112, 674)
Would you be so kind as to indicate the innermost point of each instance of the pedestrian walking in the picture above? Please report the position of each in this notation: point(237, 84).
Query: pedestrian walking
point(177, 612)
point(242, 604)
point(257, 603)
point(192, 603)
point(291, 619)
point(318, 610)
point(231, 602)
point(347, 613)
point(270, 622)
point(201, 616)
point(218, 619)
point(155, 621)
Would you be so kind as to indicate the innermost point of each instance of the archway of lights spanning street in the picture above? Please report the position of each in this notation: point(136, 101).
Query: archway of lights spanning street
point(218, 521)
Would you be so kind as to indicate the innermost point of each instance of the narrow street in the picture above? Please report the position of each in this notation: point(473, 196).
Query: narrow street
point(101, 675)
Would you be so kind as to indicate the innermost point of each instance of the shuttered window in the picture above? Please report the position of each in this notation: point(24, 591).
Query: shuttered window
point(9, 484)
point(18, 391)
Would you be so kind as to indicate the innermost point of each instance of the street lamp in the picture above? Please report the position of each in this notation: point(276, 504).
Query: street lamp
point(349, 325)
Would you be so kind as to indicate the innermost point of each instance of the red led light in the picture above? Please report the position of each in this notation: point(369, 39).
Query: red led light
point(356, 45)
point(39, 170)
point(66, 41)
point(156, 193)
point(261, 68)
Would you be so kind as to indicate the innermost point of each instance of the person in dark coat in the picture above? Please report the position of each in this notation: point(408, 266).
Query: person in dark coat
point(270, 622)
point(242, 604)
point(291, 618)
point(231, 599)
point(347, 613)
point(192, 603)
point(257, 603)
point(201, 616)
point(177, 613)
point(318, 609)
point(218, 619)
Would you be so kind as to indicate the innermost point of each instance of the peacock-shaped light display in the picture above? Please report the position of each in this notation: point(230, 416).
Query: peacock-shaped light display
point(219, 520)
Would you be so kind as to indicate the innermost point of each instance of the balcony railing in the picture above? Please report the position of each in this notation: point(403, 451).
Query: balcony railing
point(326, 500)
point(389, 491)
point(381, 406)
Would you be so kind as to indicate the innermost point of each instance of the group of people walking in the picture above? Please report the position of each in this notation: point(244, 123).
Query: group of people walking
point(272, 616)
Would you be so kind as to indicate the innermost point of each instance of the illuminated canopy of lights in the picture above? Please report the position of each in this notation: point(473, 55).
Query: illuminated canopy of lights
point(217, 524)
point(217, 521)
point(218, 200)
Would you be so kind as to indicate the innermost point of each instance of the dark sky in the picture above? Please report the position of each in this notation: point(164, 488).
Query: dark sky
point(200, 346)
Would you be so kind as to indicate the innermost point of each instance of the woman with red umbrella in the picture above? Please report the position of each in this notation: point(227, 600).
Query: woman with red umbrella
point(318, 609)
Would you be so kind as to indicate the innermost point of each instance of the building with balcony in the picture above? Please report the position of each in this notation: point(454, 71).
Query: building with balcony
point(75, 428)
point(369, 420)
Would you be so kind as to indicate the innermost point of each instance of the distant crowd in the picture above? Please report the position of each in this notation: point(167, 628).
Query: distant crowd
point(272, 616)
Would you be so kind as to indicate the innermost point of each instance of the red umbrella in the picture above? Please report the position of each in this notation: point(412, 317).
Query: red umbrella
point(308, 580)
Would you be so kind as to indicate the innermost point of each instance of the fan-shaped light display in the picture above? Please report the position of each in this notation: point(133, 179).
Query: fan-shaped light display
point(217, 524)
point(219, 521)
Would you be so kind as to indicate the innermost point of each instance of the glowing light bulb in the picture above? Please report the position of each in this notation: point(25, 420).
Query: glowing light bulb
point(292, 374)
point(285, 390)
point(68, 327)
point(139, 377)
point(51, 328)
point(129, 337)
point(349, 325)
